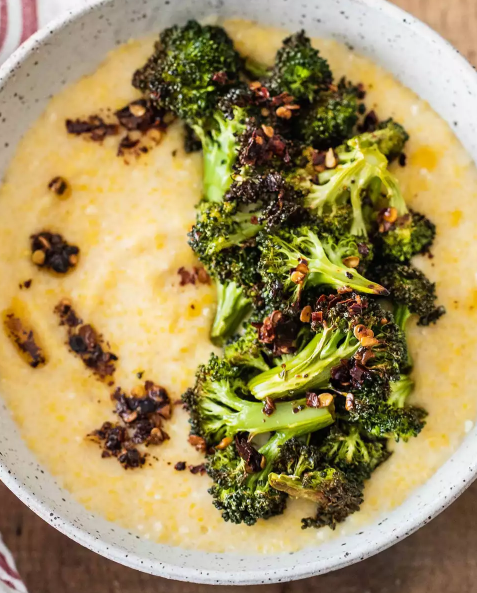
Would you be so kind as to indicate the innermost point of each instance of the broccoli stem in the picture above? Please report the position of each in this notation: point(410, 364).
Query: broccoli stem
point(271, 449)
point(326, 268)
point(309, 369)
point(256, 69)
point(293, 484)
point(219, 148)
point(232, 308)
point(245, 416)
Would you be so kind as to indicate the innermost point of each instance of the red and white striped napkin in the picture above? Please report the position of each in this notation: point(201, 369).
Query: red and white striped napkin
point(18, 20)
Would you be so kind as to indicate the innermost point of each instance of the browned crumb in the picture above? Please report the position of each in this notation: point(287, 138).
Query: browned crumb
point(141, 416)
point(51, 251)
point(24, 339)
point(197, 274)
point(26, 284)
point(59, 186)
point(86, 342)
point(198, 469)
point(95, 128)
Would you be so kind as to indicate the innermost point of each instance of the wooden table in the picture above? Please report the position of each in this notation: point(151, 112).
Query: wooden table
point(442, 557)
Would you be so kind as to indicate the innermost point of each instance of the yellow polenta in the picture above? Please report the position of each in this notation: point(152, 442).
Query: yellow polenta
point(130, 222)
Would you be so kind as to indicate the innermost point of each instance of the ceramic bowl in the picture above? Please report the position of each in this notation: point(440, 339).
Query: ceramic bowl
point(74, 46)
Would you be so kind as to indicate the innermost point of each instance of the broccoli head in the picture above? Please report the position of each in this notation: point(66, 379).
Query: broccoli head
point(300, 259)
point(389, 137)
point(331, 119)
point(352, 450)
point(246, 351)
point(192, 67)
point(241, 494)
point(400, 390)
point(401, 236)
point(221, 226)
point(242, 489)
point(349, 183)
point(371, 407)
point(409, 288)
point(299, 69)
point(301, 473)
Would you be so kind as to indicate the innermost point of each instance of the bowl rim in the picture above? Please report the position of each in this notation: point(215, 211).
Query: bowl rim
point(373, 546)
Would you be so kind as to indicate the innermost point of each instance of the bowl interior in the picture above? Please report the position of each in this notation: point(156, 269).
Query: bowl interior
point(64, 52)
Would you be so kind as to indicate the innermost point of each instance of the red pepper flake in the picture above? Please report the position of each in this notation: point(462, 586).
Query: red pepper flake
point(269, 406)
point(198, 469)
point(220, 78)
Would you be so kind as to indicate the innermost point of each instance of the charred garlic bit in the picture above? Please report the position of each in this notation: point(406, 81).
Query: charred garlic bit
point(60, 187)
point(86, 342)
point(24, 339)
point(141, 416)
point(50, 250)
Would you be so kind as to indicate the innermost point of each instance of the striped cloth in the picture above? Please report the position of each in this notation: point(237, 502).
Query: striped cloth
point(18, 20)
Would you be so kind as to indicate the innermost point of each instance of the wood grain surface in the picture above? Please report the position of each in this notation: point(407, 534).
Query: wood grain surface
point(442, 557)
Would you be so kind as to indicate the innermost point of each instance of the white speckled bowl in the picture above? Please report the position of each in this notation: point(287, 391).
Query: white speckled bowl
point(66, 50)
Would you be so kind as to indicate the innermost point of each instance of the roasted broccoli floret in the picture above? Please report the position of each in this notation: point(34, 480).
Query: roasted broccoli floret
point(400, 390)
point(344, 323)
point(241, 496)
point(277, 202)
point(389, 137)
point(403, 234)
point(348, 183)
point(349, 448)
point(360, 178)
point(379, 416)
point(221, 240)
point(218, 407)
point(411, 290)
point(221, 226)
point(301, 473)
point(299, 69)
point(241, 489)
point(194, 73)
point(331, 119)
point(246, 351)
point(191, 68)
point(300, 259)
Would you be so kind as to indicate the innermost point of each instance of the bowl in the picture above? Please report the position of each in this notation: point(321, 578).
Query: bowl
point(75, 45)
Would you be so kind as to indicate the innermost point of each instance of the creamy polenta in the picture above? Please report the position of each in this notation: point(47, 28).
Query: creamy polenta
point(130, 221)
